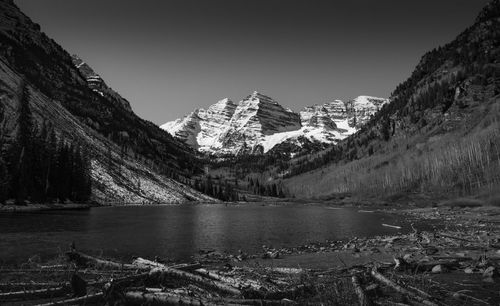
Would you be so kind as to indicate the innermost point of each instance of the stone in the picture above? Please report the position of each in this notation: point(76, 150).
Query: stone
point(437, 269)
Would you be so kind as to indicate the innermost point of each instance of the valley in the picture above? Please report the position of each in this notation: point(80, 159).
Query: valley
point(362, 200)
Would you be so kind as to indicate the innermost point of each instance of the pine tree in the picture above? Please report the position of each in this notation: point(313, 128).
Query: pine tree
point(22, 151)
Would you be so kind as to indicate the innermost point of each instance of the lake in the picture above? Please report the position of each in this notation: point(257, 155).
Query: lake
point(178, 232)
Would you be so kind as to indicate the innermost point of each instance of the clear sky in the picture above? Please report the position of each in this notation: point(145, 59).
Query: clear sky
point(168, 57)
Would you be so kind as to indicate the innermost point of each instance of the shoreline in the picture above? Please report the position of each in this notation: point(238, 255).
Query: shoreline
point(466, 248)
point(42, 207)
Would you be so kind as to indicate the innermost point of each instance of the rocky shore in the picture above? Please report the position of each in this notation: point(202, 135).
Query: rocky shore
point(458, 262)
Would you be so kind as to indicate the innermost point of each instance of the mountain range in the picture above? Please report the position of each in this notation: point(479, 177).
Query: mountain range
point(258, 123)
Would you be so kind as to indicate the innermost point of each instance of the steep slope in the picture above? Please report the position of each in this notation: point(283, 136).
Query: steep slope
point(255, 117)
point(440, 133)
point(202, 128)
point(97, 84)
point(258, 124)
point(133, 160)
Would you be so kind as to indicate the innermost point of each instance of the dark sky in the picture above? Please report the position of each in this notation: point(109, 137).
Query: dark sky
point(170, 56)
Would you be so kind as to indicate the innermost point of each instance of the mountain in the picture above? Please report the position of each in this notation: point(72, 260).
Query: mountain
point(132, 160)
point(258, 124)
point(326, 124)
point(438, 136)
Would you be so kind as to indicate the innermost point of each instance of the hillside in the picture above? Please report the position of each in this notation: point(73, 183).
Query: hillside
point(440, 135)
point(133, 161)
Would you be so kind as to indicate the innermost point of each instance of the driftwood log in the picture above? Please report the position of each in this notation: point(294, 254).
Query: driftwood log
point(165, 273)
point(83, 260)
point(32, 294)
point(83, 300)
point(30, 285)
point(411, 295)
point(146, 264)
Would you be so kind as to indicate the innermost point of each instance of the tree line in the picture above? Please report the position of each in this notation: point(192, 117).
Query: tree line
point(38, 167)
point(222, 190)
point(273, 189)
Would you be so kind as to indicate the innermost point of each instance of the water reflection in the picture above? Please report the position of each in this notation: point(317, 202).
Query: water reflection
point(179, 232)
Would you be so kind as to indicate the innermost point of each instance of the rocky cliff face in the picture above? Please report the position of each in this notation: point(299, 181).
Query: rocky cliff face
point(133, 161)
point(97, 84)
point(258, 123)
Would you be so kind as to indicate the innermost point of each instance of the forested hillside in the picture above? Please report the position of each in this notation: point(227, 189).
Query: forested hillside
point(440, 133)
point(131, 160)
point(40, 168)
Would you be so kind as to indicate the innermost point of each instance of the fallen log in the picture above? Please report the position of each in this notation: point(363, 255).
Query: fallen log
point(143, 263)
point(461, 296)
point(39, 293)
point(382, 279)
point(113, 289)
point(83, 260)
point(10, 286)
point(452, 258)
point(146, 264)
point(14, 271)
point(362, 298)
point(456, 238)
point(163, 273)
point(83, 300)
point(54, 267)
point(235, 282)
point(125, 281)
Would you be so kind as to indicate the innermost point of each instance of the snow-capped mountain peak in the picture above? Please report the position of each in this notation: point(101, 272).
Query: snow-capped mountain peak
point(258, 123)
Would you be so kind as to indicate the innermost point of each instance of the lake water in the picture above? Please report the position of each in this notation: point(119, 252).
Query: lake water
point(178, 232)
